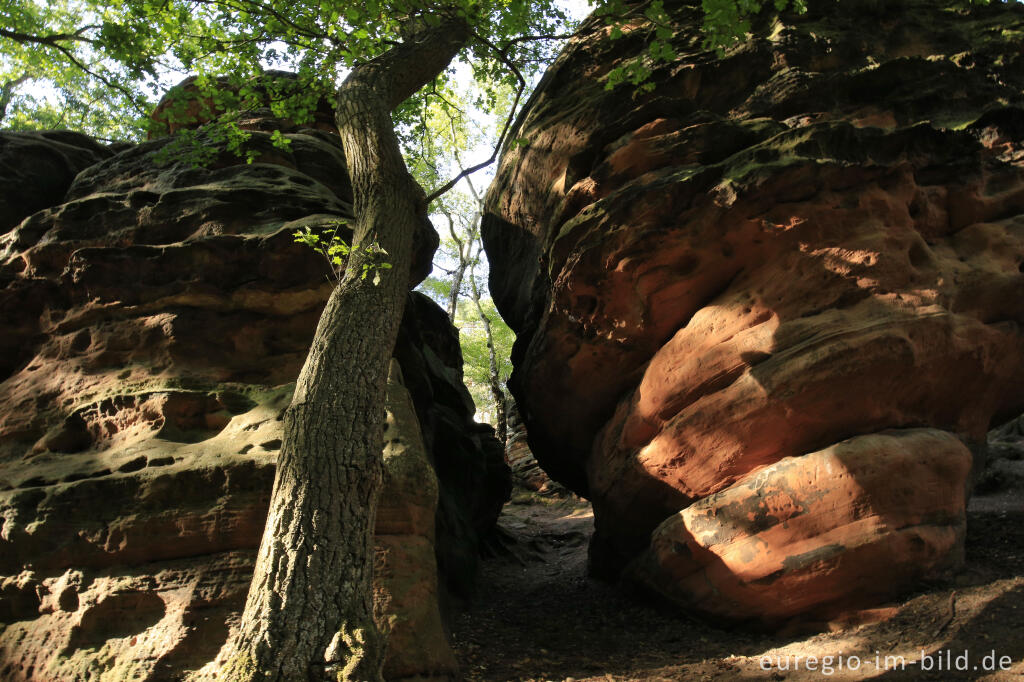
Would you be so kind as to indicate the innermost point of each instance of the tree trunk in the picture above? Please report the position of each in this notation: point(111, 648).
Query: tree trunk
point(501, 430)
point(309, 615)
point(460, 270)
point(7, 93)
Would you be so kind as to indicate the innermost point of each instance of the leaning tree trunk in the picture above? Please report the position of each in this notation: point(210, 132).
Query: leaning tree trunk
point(309, 612)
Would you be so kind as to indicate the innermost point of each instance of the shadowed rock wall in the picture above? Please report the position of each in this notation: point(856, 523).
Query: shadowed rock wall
point(765, 310)
point(155, 317)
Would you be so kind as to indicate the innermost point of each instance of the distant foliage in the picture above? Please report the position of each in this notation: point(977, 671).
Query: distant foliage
point(52, 74)
point(476, 364)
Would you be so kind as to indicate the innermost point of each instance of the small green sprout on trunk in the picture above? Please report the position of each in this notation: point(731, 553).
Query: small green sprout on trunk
point(336, 251)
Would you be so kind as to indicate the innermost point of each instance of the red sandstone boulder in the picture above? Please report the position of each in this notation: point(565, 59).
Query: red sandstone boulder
point(186, 107)
point(814, 237)
point(811, 535)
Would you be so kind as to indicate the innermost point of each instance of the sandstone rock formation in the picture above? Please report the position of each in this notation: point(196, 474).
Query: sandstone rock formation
point(36, 169)
point(526, 471)
point(159, 313)
point(764, 310)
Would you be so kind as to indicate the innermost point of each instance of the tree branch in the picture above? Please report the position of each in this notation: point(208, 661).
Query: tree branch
point(527, 39)
point(504, 131)
point(50, 40)
point(101, 78)
point(258, 7)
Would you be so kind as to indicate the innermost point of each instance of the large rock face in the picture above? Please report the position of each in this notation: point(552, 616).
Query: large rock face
point(160, 313)
point(36, 169)
point(816, 237)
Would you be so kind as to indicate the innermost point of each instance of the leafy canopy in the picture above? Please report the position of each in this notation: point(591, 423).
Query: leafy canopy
point(133, 45)
point(106, 60)
point(59, 44)
point(475, 354)
point(104, 63)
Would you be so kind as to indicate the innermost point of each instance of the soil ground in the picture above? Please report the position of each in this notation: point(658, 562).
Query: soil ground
point(539, 617)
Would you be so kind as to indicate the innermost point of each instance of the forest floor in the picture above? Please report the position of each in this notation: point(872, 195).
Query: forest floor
point(538, 616)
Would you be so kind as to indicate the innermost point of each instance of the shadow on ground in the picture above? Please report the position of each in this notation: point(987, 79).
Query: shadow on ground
point(539, 617)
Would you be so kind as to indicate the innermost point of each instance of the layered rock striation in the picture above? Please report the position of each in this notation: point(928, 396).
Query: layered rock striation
point(767, 310)
point(156, 315)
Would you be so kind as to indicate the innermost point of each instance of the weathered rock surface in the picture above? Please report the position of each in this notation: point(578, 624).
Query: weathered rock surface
point(817, 236)
point(36, 169)
point(161, 313)
point(792, 535)
point(405, 570)
point(526, 471)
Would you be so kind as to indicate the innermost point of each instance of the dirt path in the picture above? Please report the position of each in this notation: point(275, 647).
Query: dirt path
point(538, 617)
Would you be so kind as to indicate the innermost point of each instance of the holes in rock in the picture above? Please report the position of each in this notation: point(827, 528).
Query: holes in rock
point(81, 341)
point(161, 461)
point(581, 165)
point(18, 602)
point(67, 600)
point(235, 403)
point(70, 437)
point(140, 198)
point(274, 444)
point(245, 449)
point(120, 615)
point(178, 416)
point(133, 465)
point(192, 417)
point(850, 298)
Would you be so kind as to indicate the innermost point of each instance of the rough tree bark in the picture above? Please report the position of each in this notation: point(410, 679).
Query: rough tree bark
point(309, 612)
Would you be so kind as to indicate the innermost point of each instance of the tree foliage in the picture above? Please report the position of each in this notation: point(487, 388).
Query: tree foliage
point(56, 71)
point(477, 343)
point(96, 66)
point(459, 282)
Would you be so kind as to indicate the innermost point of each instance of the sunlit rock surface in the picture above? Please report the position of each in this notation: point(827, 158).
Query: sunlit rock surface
point(818, 236)
point(156, 316)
